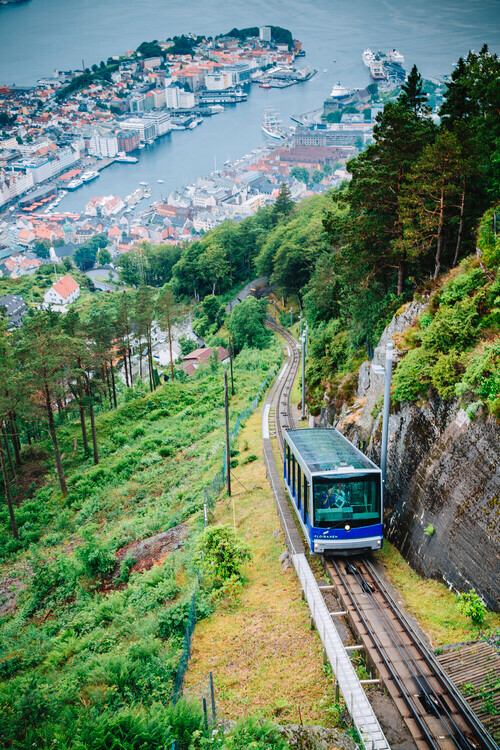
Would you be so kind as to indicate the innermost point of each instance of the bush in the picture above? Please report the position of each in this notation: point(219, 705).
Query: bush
point(412, 375)
point(257, 734)
point(173, 621)
point(129, 728)
point(96, 558)
point(221, 554)
point(472, 606)
point(186, 719)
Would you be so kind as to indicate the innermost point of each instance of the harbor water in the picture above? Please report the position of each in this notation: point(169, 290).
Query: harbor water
point(39, 36)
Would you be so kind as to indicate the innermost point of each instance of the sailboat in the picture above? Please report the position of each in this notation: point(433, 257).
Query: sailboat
point(271, 125)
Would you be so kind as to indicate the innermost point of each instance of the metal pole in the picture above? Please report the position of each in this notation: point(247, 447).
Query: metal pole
point(291, 317)
point(303, 415)
point(231, 364)
point(300, 323)
point(212, 697)
point(307, 339)
point(228, 452)
point(387, 399)
point(274, 302)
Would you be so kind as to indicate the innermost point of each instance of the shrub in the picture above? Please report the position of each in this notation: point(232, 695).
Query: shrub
point(129, 728)
point(186, 719)
point(453, 327)
point(412, 375)
point(249, 459)
point(173, 621)
point(221, 554)
point(255, 733)
point(471, 605)
point(96, 558)
point(445, 373)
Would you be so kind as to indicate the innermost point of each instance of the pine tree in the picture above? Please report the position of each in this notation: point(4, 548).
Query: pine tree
point(284, 205)
point(413, 95)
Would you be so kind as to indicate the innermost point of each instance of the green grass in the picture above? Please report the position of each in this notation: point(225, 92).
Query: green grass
point(431, 602)
point(80, 644)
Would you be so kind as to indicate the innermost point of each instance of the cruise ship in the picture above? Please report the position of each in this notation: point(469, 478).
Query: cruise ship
point(74, 184)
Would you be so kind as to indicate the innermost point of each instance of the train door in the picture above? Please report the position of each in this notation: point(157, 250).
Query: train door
point(306, 499)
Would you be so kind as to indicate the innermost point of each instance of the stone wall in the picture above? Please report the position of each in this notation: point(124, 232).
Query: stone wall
point(443, 469)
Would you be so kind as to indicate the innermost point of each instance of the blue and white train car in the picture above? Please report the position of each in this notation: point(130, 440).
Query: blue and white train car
point(336, 491)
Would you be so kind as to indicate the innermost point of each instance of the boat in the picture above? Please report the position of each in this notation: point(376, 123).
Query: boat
point(265, 85)
point(396, 57)
point(271, 125)
point(124, 159)
point(159, 180)
point(377, 71)
point(90, 175)
point(368, 57)
point(143, 183)
point(195, 122)
point(74, 184)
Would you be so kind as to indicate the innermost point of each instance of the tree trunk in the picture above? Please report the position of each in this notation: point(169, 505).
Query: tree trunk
point(125, 369)
point(92, 420)
point(169, 329)
point(7, 449)
point(113, 386)
point(130, 367)
point(439, 247)
point(8, 496)
point(57, 455)
point(461, 224)
point(110, 396)
point(401, 277)
point(84, 429)
point(15, 440)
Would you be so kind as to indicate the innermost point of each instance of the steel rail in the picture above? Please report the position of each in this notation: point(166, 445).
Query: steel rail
point(484, 738)
point(431, 700)
point(404, 693)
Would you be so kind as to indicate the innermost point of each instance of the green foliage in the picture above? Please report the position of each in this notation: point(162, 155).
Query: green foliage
point(258, 734)
point(412, 376)
point(246, 324)
point(221, 554)
point(429, 530)
point(96, 558)
point(472, 606)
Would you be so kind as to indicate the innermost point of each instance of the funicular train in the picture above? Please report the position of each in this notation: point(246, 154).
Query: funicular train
point(336, 491)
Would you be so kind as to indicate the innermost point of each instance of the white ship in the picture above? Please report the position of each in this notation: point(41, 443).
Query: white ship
point(368, 57)
point(396, 57)
point(90, 175)
point(271, 125)
point(124, 159)
point(74, 184)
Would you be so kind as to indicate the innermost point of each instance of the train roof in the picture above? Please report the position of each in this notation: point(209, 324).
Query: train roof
point(324, 449)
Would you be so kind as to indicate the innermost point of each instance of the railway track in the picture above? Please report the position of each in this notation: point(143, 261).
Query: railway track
point(436, 714)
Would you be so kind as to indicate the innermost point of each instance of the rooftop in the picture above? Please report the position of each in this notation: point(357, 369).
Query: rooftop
point(327, 450)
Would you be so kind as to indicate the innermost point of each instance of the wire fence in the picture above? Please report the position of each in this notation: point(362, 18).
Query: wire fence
point(211, 492)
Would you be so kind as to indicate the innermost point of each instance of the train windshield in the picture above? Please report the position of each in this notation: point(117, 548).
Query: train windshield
point(340, 501)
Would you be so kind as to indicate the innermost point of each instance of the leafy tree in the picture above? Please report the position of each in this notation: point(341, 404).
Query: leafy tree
point(103, 257)
point(41, 248)
point(246, 324)
point(166, 311)
point(317, 176)
point(300, 173)
point(85, 256)
point(221, 554)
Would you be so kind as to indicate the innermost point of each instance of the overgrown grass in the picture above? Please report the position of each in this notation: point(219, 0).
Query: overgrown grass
point(254, 647)
point(90, 651)
point(433, 605)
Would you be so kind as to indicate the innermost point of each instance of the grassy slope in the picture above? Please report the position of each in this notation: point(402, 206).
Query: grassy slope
point(264, 657)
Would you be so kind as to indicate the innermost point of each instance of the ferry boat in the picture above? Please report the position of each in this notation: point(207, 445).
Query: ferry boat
point(143, 183)
point(159, 180)
point(74, 184)
point(90, 175)
point(265, 85)
point(124, 159)
point(368, 57)
point(396, 57)
point(271, 125)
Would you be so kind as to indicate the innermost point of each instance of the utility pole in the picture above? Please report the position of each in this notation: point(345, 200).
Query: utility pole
point(307, 338)
point(228, 452)
point(274, 301)
point(303, 415)
point(387, 401)
point(291, 317)
point(231, 363)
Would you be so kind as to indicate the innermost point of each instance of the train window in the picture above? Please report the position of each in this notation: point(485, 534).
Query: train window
point(299, 484)
point(355, 500)
point(293, 475)
point(306, 496)
point(288, 463)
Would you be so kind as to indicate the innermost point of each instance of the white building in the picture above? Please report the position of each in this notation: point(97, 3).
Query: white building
point(142, 125)
point(160, 120)
point(63, 292)
point(265, 33)
point(13, 184)
point(103, 144)
point(177, 98)
point(218, 81)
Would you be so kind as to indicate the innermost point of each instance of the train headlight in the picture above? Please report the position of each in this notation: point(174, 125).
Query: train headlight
point(347, 527)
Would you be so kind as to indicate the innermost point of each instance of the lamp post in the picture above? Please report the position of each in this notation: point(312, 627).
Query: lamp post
point(387, 371)
point(291, 317)
point(303, 415)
